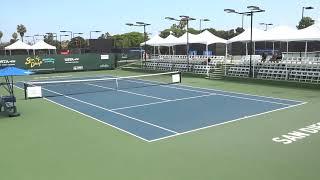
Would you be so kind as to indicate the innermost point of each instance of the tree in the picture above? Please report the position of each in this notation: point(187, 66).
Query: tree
point(77, 42)
point(239, 30)
point(1, 34)
point(49, 38)
point(305, 22)
point(21, 29)
point(14, 38)
point(176, 30)
point(105, 36)
point(132, 39)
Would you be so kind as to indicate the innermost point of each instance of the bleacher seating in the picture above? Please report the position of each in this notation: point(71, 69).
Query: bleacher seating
point(289, 69)
point(197, 64)
point(300, 69)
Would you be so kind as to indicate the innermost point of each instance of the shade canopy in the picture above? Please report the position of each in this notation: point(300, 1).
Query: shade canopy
point(210, 38)
point(42, 45)
point(205, 37)
point(154, 41)
point(311, 33)
point(18, 46)
point(170, 41)
point(13, 71)
point(257, 35)
point(280, 33)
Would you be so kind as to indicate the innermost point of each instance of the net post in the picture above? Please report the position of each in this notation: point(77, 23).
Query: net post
point(180, 76)
point(117, 85)
point(25, 90)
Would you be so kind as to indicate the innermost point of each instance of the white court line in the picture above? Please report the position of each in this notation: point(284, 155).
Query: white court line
point(98, 120)
point(51, 77)
point(120, 114)
point(187, 132)
point(231, 121)
point(129, 92)
point(173, 100)
point(183, 85)
point(208, 89)
point(239, 97)
point(86, 115)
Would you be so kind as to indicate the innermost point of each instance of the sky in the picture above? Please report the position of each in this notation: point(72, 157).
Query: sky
point(41, 16)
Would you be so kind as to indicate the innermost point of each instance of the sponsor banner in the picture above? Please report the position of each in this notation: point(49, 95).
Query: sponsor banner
point(36, 63)
point(106, 56)
point(5, 62)
point(59, 63)
point(77, 68)
point(71, 60)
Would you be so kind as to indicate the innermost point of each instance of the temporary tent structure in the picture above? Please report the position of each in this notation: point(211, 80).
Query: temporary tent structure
point(19, 45)
point(257, 35)
point(154, 41)
point(41, 45)
point(209, 38)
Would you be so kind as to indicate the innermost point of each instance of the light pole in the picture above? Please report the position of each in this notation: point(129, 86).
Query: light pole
point(266, 24)
point(55, 35)
point(79, 33)
point(252, 10)
point(203, 20)
point(34, 41)
point(39, 35)
point(69, 32)
point(142, 24)
point(64, 35)
point(94, 32)
point(185, 19)
point(307, 8)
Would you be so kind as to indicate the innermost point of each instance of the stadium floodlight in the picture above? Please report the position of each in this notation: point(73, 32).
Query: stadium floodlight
point(229, 10)
point(252, 10)
point(67, 31)
point(34, 41)
point(142, 24)
point(129, 24)
point(55, 35)
point(266, 24)
point(79, 33)
point(96, 31)
point(62, 35)
point(171, 18)
point(186, 19)
point(203, 20)
point(307, 8)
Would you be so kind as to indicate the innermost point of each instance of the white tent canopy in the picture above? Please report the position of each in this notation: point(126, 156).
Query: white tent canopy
point(42, 45)
point(210, 38)
point(154, 41)
point(257, 35)
point(19, 45)
point(170, 41)
point(205, 37)
point(282, 33)
point(192, 39)
point(311, 33)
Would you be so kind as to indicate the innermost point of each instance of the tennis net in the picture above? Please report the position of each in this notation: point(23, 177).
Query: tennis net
point(38, 89)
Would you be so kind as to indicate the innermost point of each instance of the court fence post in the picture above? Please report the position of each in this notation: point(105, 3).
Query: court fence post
point(25, 91)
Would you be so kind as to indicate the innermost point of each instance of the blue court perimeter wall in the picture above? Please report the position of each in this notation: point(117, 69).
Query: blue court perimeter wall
point(60, 63)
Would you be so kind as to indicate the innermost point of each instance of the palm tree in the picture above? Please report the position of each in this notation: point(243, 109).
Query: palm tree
point(1, 34)
point(15, 36)
point(21, 29)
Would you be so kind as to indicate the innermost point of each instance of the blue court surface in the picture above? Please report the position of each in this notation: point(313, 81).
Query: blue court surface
point(153, 113)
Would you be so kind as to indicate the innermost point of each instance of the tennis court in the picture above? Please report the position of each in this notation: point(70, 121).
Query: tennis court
point(153, 108)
